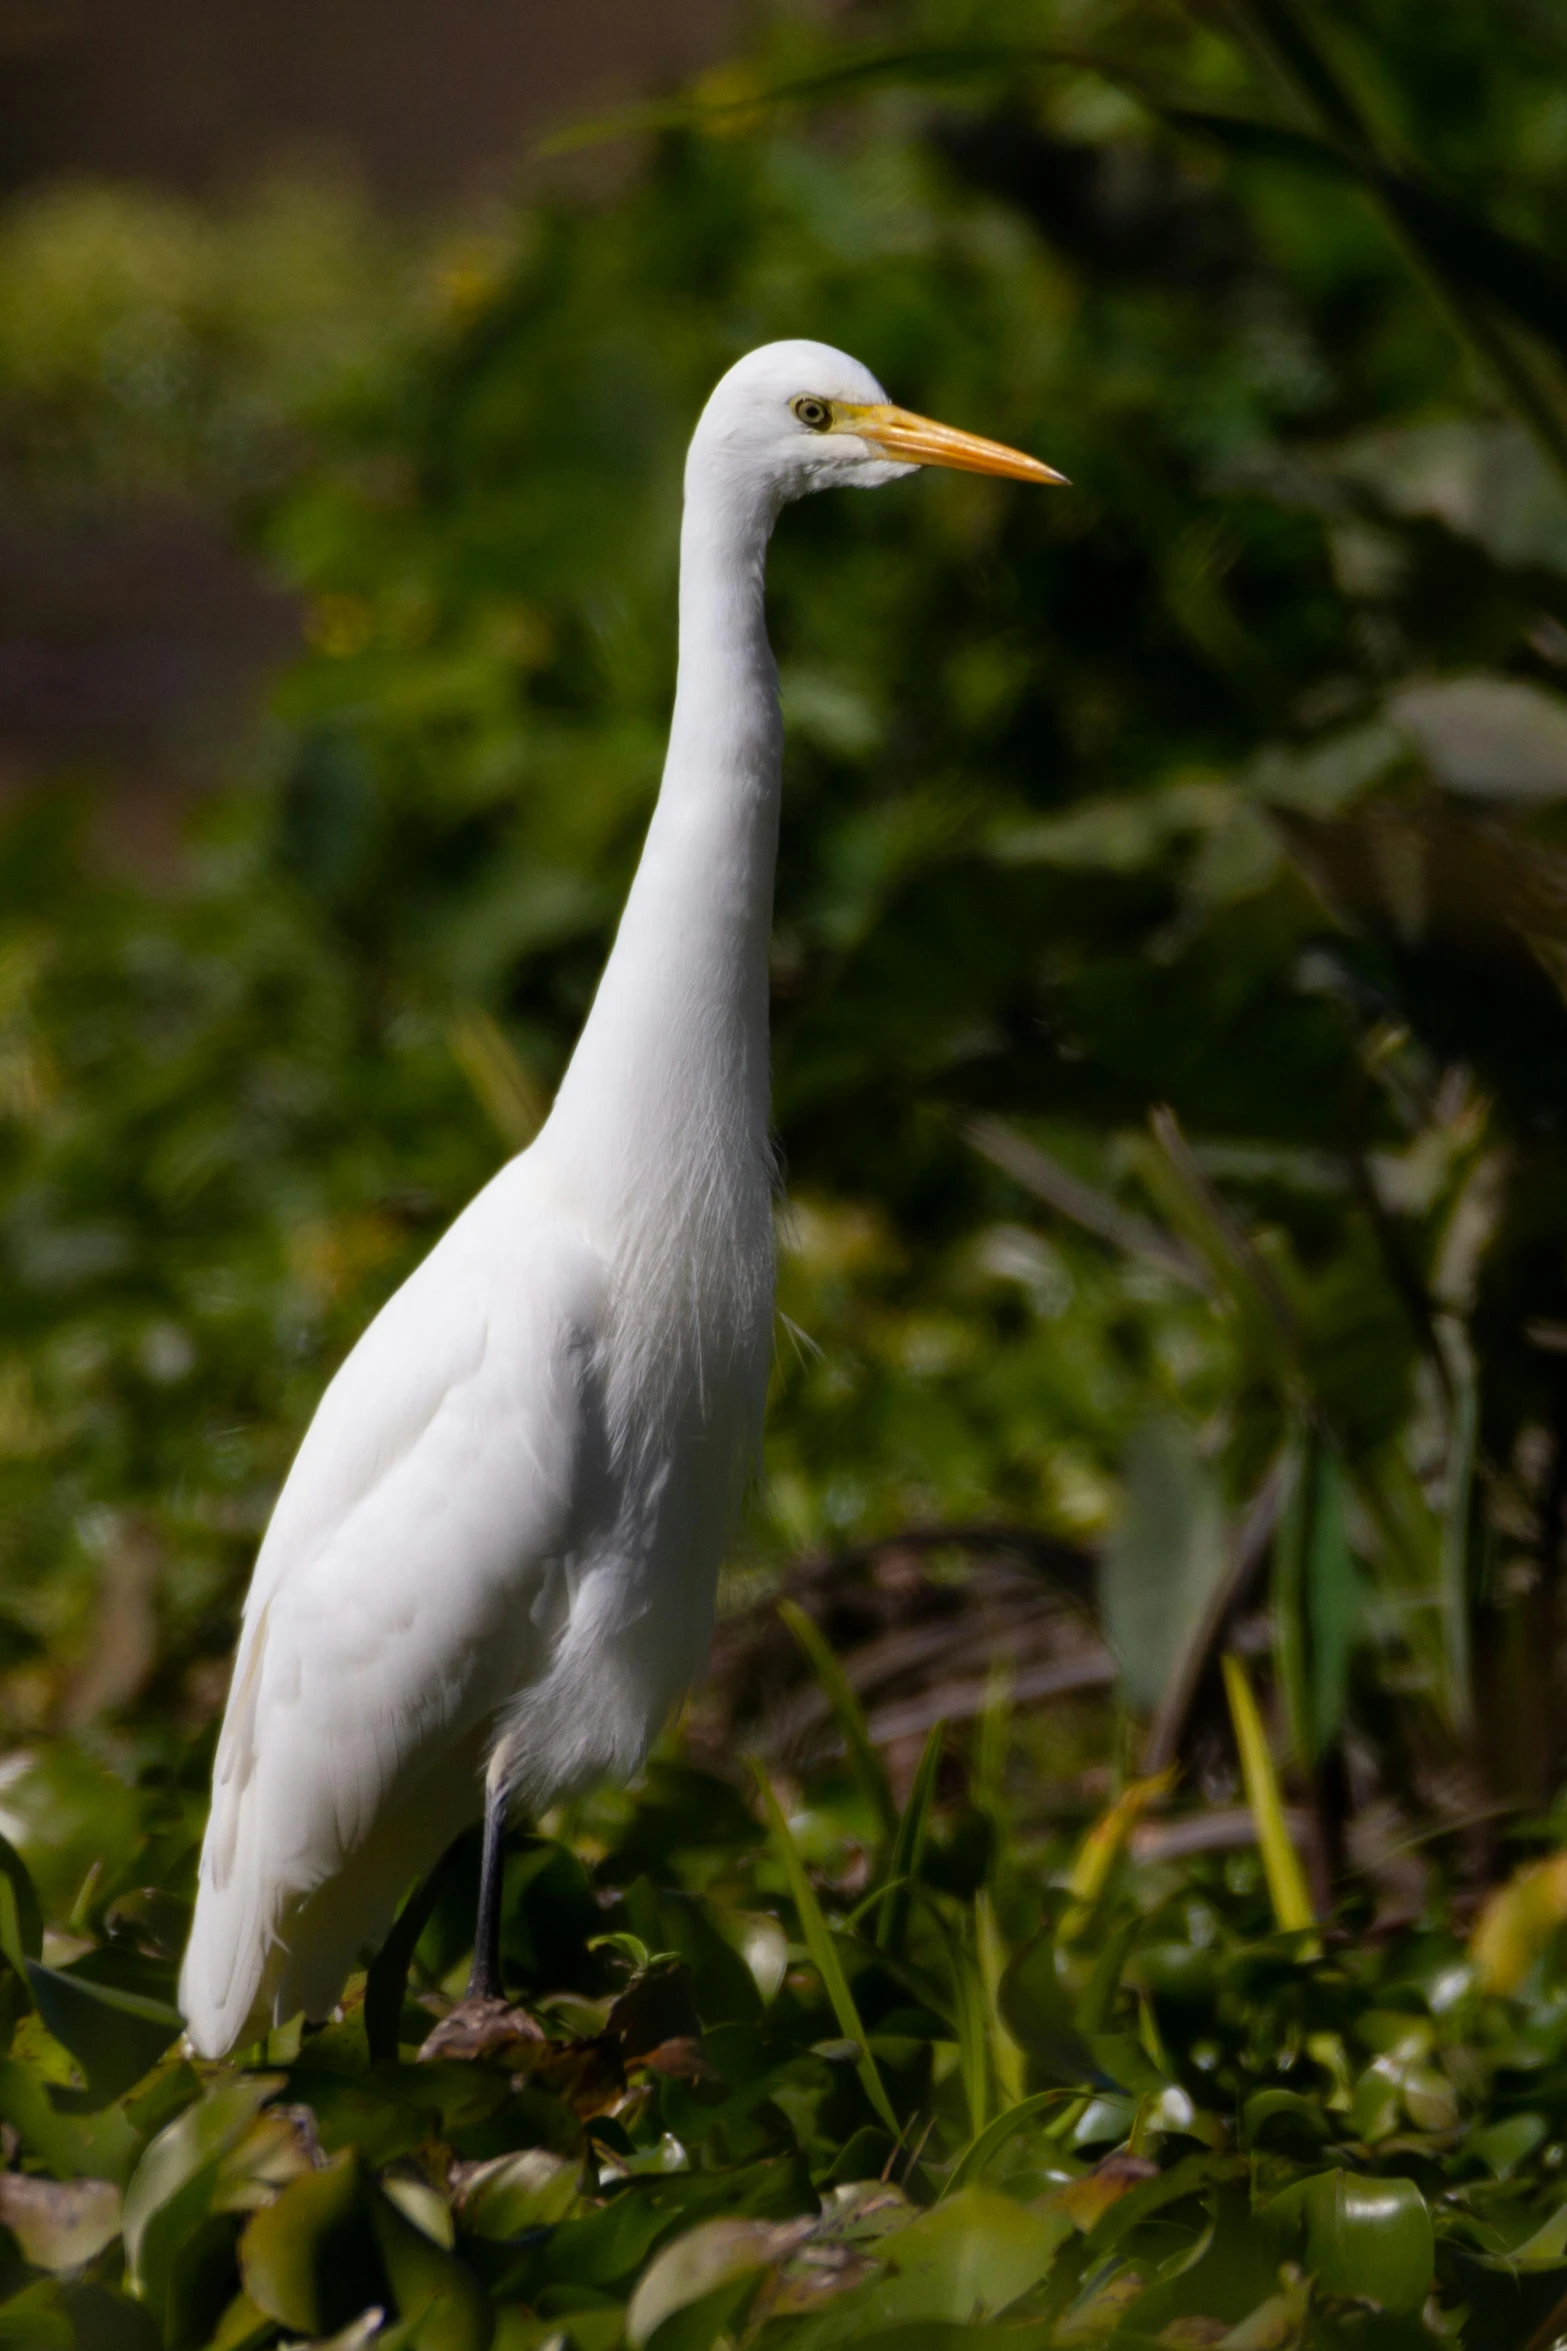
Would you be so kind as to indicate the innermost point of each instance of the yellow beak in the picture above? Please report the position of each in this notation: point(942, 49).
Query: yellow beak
point(915, 440)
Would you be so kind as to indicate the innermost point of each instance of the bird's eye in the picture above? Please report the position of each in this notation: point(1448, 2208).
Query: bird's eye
point(814, 414)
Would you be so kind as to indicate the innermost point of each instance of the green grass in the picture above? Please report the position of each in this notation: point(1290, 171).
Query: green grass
point(753, 2118)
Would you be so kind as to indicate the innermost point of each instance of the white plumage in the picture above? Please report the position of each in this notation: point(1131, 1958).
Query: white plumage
point(490, 1572)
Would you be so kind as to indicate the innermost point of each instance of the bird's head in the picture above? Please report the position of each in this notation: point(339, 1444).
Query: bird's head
point(794, 417)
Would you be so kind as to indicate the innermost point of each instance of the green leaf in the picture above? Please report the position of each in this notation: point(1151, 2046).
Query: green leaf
point(942, 2334)
point(11, 1949)
point(286, 2248)
point(1040, 2013)
point(1317, 1598)
point(1261, 1316)
point(512, 2193)
point(1368, 2237)
point(964, 2261)
point(434, 2291)
point(1290, 1642)
point(171, 2188)
point(824, 1956)
point(1164, 1558)
point(29, 1925)
point(1455, 1543)
point(715, 2253)
point(908, 1848)
point(848, 1713)
point(115, 2036)
point(1502, 2146)
point(982, 2150)
point(104, 2145)
point(36, 2319)
point(1280, 1862)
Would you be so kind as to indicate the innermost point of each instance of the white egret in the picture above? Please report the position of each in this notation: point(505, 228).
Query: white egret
point(490, 1573)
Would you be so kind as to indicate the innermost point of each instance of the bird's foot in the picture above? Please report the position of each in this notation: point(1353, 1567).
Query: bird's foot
point(483, 2025)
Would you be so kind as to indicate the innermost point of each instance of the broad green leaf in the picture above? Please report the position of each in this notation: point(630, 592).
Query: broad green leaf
point(511, 2193)
point(36, 2319)
point(1369, 2237)
point(1502, 2146)
point(243, 2327)
point(965, 2261)
point(104, 2145)
point(1547, 2248)
point(983, 2149)
point(1112, 2217)
point(115, 2036)
point(285, 2250)
point(713, 2254)
point(1040, 2013)
point(940, 2334)
point(1164, 1558)
point(435, 2292)
point(171, 2188)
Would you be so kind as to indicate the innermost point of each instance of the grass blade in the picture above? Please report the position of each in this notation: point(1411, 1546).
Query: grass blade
point(1288, 1596)
point(1455, 1542)
point(1006, 2057)
point(1280, 1861)
point(908, 1848)
point(868, 1767)
point(983, 2149)
point(968, 2017)
point(1104, 1844)
point(1264, 1319)
point(1037, 1172)
point(824, 1954)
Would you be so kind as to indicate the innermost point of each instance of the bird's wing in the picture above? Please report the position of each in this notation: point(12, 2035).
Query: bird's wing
point(408, 1579)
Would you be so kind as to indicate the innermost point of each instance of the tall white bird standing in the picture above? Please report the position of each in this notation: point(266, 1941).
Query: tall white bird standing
point(490, 1572)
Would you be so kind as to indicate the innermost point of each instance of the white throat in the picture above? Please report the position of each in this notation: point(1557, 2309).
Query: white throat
point(666, 1097)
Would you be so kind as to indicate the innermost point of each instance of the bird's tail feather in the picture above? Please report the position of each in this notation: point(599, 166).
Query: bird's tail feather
point(232, 1957)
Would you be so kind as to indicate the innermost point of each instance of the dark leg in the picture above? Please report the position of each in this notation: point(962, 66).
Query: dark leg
point(484, 1981)
point(482, 2022)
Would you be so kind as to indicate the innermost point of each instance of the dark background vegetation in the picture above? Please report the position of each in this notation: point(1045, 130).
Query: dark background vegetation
point(1170, 1423)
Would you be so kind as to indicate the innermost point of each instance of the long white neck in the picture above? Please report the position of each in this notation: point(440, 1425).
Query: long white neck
point(668, 1086)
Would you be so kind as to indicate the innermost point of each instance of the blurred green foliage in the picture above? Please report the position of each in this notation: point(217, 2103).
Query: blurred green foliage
point(1171, 1062)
